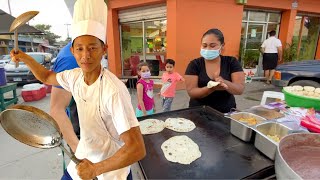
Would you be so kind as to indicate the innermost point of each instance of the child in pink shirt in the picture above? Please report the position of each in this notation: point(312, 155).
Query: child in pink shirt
point(169, 80)
point(144, 91)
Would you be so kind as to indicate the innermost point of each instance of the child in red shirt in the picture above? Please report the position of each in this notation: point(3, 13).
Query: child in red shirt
point(169, 80)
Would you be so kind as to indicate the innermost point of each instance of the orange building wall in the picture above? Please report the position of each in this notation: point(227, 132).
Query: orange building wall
point(270, 4)
point(189, 19)
point(193, 18)
point(114, 58)
point(287, 26)
point(310, 6)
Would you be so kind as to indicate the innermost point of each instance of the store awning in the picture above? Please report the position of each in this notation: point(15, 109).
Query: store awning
point(6, 21)
point(48, 46)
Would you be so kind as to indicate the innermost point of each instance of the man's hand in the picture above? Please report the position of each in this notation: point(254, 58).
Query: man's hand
point(19, 56)
point(86, 169)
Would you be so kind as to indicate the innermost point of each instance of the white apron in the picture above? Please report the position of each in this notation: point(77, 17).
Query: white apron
point(95, 144)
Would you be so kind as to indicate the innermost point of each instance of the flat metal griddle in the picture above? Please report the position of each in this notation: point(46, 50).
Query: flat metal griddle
point(223, 155)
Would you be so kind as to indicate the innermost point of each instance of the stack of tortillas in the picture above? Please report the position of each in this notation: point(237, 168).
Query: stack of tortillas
point(181, 149)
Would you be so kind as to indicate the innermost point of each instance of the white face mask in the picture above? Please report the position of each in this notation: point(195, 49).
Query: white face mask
point(146, 75)
point(210, 54)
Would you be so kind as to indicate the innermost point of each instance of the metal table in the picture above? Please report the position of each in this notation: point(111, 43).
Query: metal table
point(223, 155)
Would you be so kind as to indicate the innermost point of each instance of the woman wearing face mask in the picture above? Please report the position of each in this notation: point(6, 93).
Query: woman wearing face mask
point(212, 66)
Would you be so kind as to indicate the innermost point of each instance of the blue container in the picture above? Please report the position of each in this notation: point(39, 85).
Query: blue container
point(3, 79)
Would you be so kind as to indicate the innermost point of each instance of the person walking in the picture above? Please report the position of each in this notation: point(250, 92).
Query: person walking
point(271, 49)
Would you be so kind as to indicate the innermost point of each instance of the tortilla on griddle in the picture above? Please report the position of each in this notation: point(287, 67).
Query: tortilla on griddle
point(181, 149)
point(151, 126)
point(179, 124)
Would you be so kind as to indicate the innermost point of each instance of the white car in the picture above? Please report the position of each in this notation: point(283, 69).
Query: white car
point(23, 74)
point(5, 59)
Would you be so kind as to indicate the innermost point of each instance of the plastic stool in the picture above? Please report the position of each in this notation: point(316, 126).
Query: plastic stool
point(271, 94)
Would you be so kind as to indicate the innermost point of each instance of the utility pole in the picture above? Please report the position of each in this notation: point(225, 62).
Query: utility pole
point(68, 30)
point(11, 15)
point(9, 7)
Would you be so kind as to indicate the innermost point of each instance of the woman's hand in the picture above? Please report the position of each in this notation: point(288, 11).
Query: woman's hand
point(222, 84)
point(86, 169)
point(19, 56)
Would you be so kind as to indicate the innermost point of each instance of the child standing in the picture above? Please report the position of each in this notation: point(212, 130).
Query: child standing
point(169, 80)
point(144, 91)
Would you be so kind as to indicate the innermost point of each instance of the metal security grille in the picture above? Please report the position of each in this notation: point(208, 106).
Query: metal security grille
point(143, 13)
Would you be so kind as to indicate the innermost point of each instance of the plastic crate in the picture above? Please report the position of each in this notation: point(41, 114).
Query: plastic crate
point(294, 100)
point(33, 95)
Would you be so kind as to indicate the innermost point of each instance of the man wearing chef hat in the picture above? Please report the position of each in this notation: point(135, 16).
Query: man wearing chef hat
point(110, 136)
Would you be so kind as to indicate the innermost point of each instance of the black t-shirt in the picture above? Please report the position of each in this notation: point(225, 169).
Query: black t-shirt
point(222, 101)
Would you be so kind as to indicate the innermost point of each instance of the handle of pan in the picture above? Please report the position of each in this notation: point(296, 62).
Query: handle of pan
point(72, 156)
point(16, 47)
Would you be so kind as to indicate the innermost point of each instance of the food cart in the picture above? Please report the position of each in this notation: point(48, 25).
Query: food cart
point(231, 148)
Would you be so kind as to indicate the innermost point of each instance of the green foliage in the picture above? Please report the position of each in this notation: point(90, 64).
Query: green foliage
point(51, 37)
point(250, 58)
point(290, 52)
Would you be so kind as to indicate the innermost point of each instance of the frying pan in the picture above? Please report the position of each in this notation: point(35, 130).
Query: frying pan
point(33, 127)
point(19, 21)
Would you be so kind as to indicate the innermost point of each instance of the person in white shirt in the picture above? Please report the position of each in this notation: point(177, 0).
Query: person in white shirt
point(271, 49)
point(110, 136)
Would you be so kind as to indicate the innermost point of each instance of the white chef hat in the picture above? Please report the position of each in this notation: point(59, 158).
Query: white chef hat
point(90, 18)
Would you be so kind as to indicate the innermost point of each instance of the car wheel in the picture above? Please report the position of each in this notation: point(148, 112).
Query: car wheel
point(306, 83)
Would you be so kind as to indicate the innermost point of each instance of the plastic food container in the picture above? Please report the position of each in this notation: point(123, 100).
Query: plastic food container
point(294, 100)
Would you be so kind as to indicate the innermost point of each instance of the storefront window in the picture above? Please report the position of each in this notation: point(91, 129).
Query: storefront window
point(253, 32)
point(257, 16)
point(134, 50)
point(271, 27)
point(245, 15)
point(156, 45)
point(274, 17)
point(305, 37)
point(132, 47)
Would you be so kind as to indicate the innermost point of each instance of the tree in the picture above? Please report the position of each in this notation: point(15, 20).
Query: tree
point(51, 37)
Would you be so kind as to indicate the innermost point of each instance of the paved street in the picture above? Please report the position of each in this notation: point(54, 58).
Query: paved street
point(18, 161)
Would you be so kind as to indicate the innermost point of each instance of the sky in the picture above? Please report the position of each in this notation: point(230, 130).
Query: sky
point(52, 12)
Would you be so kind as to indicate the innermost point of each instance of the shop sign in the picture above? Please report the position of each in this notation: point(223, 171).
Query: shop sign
point(294, 5)
point(253, 32)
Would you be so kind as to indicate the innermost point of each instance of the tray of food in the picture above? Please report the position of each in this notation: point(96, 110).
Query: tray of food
point(242, 124)
point(268, 136)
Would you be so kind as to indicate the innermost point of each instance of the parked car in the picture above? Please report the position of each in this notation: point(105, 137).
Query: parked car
point(5, 59)
point(304, 73)
point(23, 74)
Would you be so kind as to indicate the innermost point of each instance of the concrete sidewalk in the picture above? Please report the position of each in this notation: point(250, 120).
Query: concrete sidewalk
point(19, 161)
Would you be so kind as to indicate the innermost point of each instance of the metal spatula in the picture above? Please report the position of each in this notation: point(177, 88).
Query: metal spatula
point(19, 21)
